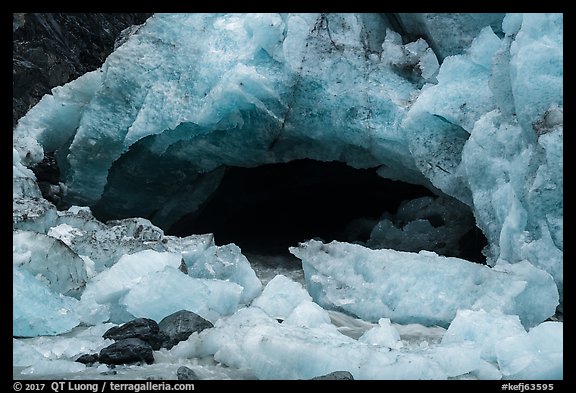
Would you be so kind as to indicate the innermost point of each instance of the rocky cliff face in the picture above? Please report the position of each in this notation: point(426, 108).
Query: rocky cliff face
point(51, 49)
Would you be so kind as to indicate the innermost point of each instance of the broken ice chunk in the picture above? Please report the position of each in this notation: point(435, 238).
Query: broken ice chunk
point(421, 288)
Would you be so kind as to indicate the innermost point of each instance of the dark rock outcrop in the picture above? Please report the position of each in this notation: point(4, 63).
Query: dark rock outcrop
point(48, 178)
point(88, 358)
point(186, 374)
point(335, 376)
point(144, 329)
point(129, 350)
point(180, 325)
point(51, 49)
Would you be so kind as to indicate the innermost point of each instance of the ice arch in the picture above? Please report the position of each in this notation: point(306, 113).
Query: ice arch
point(151, 132)
point(190, 95)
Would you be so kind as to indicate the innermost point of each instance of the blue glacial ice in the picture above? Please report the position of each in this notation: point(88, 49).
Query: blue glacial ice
point(472, 110)
point(484, 329)
point(306, 344)
point(421, 287)
point(153, 285)
point(225, 263)
point(39, 311)
point(50, 258)
point(251, 97)
point(503, 341)
point(536, 354)
point(280, 296)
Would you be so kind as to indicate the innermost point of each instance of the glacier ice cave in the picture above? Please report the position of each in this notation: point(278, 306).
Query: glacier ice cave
point(333, 196)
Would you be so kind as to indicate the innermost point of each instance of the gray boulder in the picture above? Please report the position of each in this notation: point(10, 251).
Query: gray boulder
point(88, 358)
point(180, 325)
point(143, 328)
point(129, 350)
point(335, 376)
point(186, 374)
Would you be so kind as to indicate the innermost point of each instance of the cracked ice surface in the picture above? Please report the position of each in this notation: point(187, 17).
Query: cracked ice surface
point(421, 287)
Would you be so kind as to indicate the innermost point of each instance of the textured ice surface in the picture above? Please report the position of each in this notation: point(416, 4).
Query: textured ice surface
point(103, 243)
point(53, 367)
point(78, 244)
point(158, 295)
point(23, 179)
point(484, 329)
point(423, 288)
point(50, 258)
point(37, 310)
point(415, 59)
point(438, 124)
point(280, 296)
point(66, 347)
point(225, 263)
point(127, 272)
point(252, 343)
point(249, 94)
point(150, 284)
point(538, 354)
point(383, 335)
point(306, 344)
point(449, 33)
point(522, 214)
point(24, 354)
point(272, 88)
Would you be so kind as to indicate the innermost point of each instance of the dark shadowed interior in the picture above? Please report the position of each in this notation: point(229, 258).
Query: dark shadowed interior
point(269, 208)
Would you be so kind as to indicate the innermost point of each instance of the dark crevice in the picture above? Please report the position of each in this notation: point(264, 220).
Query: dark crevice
point(265, 210)
point(272, 207)
point(436, 220)
point(48, 178)
point(471, 245)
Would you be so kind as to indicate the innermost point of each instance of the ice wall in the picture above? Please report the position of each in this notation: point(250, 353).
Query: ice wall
point(190, 93)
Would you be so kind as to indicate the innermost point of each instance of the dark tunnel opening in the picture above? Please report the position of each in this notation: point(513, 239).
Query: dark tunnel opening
point(266, 209)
